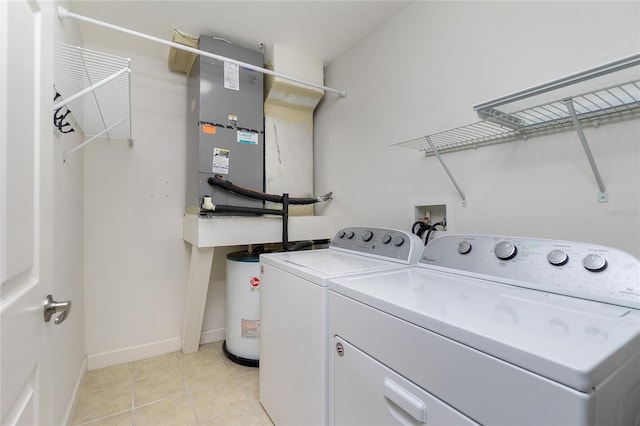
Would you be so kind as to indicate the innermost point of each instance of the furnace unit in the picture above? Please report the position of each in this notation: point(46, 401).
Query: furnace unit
point(225, 126)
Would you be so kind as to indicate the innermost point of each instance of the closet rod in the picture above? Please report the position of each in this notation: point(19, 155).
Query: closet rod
point(94, 137)
point(64, 13)
point(91, 88)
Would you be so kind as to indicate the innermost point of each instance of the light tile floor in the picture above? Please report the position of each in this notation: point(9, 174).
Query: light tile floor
point(200, 388)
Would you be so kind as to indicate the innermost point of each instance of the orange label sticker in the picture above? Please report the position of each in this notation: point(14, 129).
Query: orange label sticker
point(208, 128)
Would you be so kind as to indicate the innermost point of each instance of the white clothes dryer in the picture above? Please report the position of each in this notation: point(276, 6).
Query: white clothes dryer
point(294, 350)
point(490, 330)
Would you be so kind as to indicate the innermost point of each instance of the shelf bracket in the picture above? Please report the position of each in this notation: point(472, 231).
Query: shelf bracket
point(447, 171)
point(501, 118)
point(91, 88)
point(603, 197)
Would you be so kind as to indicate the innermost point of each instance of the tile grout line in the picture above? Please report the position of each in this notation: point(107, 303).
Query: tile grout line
point(98, 419)
point(253, 408)
point(186, 384)
point(133, 393)
point(90, 422)
point(236, 375)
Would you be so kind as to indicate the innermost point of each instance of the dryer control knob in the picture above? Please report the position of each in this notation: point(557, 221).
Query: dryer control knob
point(386, 239)
point(367, 235)
point(594, 262)
point(341, 234)
point(399, 240)
point(557, 257)
point(464, 247)
point(505, 250)
point(350, 234)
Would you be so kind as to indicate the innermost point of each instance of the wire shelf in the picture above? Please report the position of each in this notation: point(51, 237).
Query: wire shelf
point(608, 92)
point(95, 87)
point(509, 118)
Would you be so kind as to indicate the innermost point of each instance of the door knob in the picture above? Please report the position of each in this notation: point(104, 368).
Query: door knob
point(51, 307)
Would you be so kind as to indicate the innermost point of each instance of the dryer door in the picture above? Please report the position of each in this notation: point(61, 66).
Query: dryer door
point(366, 392)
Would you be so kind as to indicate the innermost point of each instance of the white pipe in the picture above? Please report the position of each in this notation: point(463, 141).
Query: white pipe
point(90, 88)
point(64, 13)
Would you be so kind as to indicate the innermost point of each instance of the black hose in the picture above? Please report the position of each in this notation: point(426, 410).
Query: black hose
point(307, 243)
point(422, 227)
point(301, 244)
point(242, 209)
point(413, 227)
point(250, 193)
point(285, 221)
point(257, 250)
point(426, 239)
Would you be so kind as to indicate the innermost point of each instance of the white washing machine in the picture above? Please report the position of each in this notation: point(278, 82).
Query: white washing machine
point(294, 345)
point(490, 330)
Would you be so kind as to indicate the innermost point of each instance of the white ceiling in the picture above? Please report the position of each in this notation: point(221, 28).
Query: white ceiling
point(324, 29)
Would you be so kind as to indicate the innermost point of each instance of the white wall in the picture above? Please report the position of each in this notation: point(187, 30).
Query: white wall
point(422, 72)
point(136, 261)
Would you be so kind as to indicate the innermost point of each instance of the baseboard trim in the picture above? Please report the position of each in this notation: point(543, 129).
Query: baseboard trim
point(215, 335)
point(70, 412)
point(148, 350)
point(133, 353)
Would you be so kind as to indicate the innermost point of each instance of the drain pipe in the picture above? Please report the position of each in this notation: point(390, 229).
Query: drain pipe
point(255, 210)
point(249, 193)
point(285, 222)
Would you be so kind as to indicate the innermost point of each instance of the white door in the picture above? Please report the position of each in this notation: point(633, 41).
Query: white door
point(26, 95)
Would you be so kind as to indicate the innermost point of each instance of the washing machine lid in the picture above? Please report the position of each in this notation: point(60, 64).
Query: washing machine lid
point(569, 340)
point(318, 266)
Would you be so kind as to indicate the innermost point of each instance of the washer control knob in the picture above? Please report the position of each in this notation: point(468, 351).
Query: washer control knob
point(505, 250)
point(399, 240)
point(464, 247)
point(367, 235)
point(594, 262)
point(557, 257)
point(341, 234)
point(386, 239)
point(350, 234)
